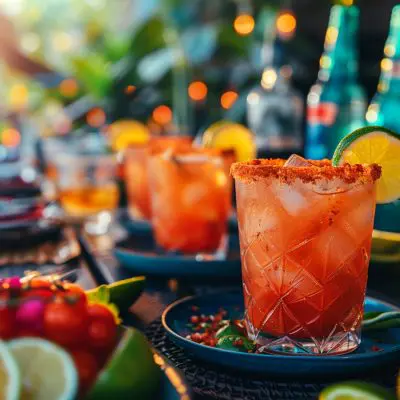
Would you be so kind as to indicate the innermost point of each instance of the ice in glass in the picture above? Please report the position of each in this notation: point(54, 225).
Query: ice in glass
point(191, 201)
point(305, 239)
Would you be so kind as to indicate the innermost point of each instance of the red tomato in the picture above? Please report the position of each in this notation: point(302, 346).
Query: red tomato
point(87, 367)
point(41, 288)
point(100, 312)
point(7, 323)
point(73, 292)
point(65, 323)
point(102, 334)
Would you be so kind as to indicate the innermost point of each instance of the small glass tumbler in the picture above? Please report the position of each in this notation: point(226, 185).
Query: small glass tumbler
point(88, 190)
point(191, 201)
point(305, 240)
point(137, 176)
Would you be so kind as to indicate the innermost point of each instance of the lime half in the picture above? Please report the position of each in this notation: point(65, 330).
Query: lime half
point(10, 380)
point(48, 371)
point(370, 145)
point(130, 373)
point(356, 391)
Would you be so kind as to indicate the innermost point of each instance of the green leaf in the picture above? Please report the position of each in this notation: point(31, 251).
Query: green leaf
point(93, 71)
point(149, 37)
point(228, 330)
point(228, 343)
point(385, 320)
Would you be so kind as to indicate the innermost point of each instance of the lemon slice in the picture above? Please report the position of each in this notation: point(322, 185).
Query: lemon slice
point(229, 135)
point(10, 379)
point(378, 145)
point(124, 133)
point(48, 371)
point(356, 391)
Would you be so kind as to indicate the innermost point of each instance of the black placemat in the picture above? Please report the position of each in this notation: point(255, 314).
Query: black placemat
point(214, 382)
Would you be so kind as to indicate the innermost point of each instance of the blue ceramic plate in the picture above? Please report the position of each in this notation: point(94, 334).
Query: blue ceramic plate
point(173, 385)
point(176, 317)
point(142, 227)
point(140, 255)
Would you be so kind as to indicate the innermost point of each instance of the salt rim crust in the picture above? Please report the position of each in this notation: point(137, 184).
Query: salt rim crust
point(254, 170)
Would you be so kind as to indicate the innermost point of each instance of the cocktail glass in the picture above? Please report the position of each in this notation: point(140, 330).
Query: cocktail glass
point(136, 173)
point(191, 201)
point(305, 239)
point(88, 190)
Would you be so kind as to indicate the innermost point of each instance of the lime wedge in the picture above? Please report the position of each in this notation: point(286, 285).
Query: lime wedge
point(385, 247)
point(130, 373)
point(356, 391)
point(10, 379)
point(124, 293)
point(370, 145)
point(48, 371)
point(228, 135)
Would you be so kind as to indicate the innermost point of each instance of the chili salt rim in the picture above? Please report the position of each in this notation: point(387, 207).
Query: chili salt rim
point(273, 168)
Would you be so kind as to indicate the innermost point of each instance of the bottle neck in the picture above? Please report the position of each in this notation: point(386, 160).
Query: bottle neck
point(340, 58)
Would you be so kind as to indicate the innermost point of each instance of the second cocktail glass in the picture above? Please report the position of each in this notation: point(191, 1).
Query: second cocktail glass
point(191, 201)
point(305, 238)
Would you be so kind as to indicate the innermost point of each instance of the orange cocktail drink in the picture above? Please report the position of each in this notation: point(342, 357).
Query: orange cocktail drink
point(136, 172)
point(305, 239)
point(191, 201)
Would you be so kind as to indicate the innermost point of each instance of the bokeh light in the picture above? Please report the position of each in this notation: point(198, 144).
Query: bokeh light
point(162, 115)
point(331, 35)
point(286, 24)
point(197, 90)
point(69, 87)
point(386, 65)
point(244, 24)
point(228, 99)
point(96, 117)
point(10, 137)
point(18, 96)
point(130, 89)
point(62, 41)
point(268, 78)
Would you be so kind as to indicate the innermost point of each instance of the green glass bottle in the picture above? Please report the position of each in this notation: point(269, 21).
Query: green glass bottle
point(336, 103)
point(384, 111)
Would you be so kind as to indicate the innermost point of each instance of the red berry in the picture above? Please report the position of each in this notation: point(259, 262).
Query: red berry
point(7, 323)
point(87, 367)
point(194, 319)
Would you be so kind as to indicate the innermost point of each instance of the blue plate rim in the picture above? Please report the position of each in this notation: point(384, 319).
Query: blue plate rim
point(338, 358)
point(177, 257)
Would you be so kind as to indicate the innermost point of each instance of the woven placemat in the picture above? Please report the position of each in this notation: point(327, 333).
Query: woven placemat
point(216, 382)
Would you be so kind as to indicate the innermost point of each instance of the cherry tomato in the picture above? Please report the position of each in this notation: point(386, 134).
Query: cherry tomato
point(7, 323)
point(87, 367)
point(40, 288)
point(100, 312)
point(73, 292)
point(102, 334)
point(65, 323)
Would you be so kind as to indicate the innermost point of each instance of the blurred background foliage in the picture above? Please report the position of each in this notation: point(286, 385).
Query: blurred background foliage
point(174, 64)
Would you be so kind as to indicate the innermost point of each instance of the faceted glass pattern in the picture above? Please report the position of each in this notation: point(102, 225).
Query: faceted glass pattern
point(305, 250)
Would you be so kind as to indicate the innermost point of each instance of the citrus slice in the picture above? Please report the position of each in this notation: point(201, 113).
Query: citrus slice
point(48, 371)
point(378, 145)
point(123, 293)
point(130, 373)
point(10, 379)
point(229, 135)
point(124, 133)
point(356, 391)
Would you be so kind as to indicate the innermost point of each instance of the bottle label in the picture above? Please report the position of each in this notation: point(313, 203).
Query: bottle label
point(322, 113)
